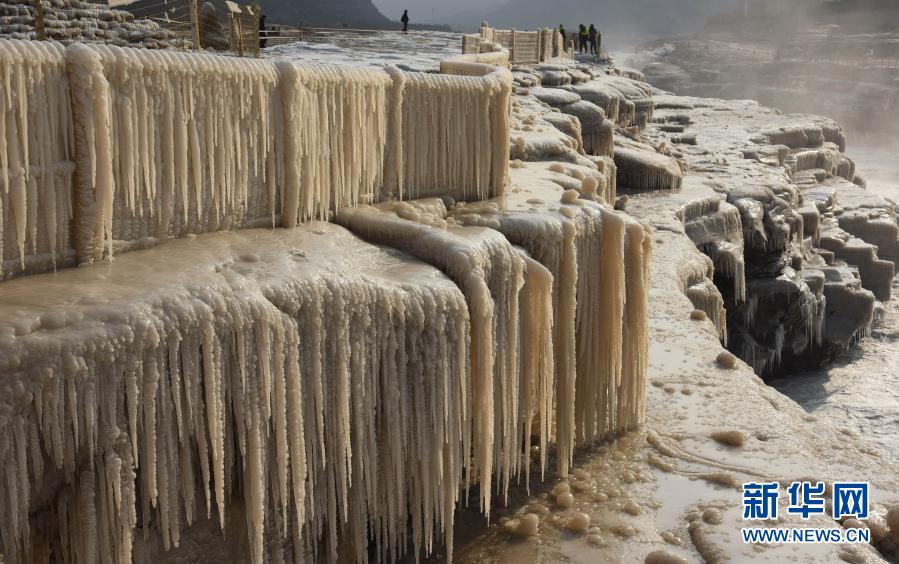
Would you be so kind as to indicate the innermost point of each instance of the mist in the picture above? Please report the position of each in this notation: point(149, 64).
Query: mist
point(622, 18)
point(838, 59)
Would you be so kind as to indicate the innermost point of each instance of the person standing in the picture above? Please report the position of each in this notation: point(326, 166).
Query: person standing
point(263, 34)
point(591, 36)
point(562, 33)
point(405, 20)
point(582, 38)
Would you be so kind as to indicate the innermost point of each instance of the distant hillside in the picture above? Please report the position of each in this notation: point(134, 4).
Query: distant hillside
point(329, 13)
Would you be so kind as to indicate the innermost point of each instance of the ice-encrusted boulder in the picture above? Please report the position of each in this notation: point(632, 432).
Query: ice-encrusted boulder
point(641, 167)
point(596, 130)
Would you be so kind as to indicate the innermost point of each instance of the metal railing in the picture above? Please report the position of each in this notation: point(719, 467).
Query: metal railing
point(524, 47)
point(281, 35)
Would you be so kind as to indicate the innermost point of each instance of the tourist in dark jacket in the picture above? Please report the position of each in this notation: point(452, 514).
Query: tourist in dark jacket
point(562, 33)
point(405, 20)
point(583, 35)
point(592, 35)
point(263, 35)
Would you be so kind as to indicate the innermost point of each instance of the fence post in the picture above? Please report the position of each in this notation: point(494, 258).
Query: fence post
point(195, 17)
point(39, 28)
point(513, 57)
point(540, 46)
point(239, 35)
point(257, 14)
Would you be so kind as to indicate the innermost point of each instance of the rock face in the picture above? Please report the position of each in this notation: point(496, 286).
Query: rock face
point(354, 13)
point(851, 232)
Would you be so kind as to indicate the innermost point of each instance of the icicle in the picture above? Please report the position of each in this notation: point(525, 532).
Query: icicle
point(631, 395)
point(537, 363)
point(567, 343)
point(491, 275)
point(599, 357)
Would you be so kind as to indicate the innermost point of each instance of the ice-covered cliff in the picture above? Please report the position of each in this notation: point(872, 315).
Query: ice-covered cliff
point(312, 384)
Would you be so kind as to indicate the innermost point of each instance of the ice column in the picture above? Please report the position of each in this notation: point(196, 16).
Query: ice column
point(35, 157)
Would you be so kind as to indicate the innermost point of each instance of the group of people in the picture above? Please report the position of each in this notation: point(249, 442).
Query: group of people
point(589, 39)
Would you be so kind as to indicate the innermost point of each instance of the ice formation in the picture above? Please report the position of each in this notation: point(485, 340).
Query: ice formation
point(336, 137)
point(640, 169)
point(333, 387)
point(175, 143)
point(36, 156)
point(763, 203)
point(737, 220)
point(491, 274)
point(599, 363)
point(235, 142)
point(258, 358)
point(469, 158)
point(334, 390)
